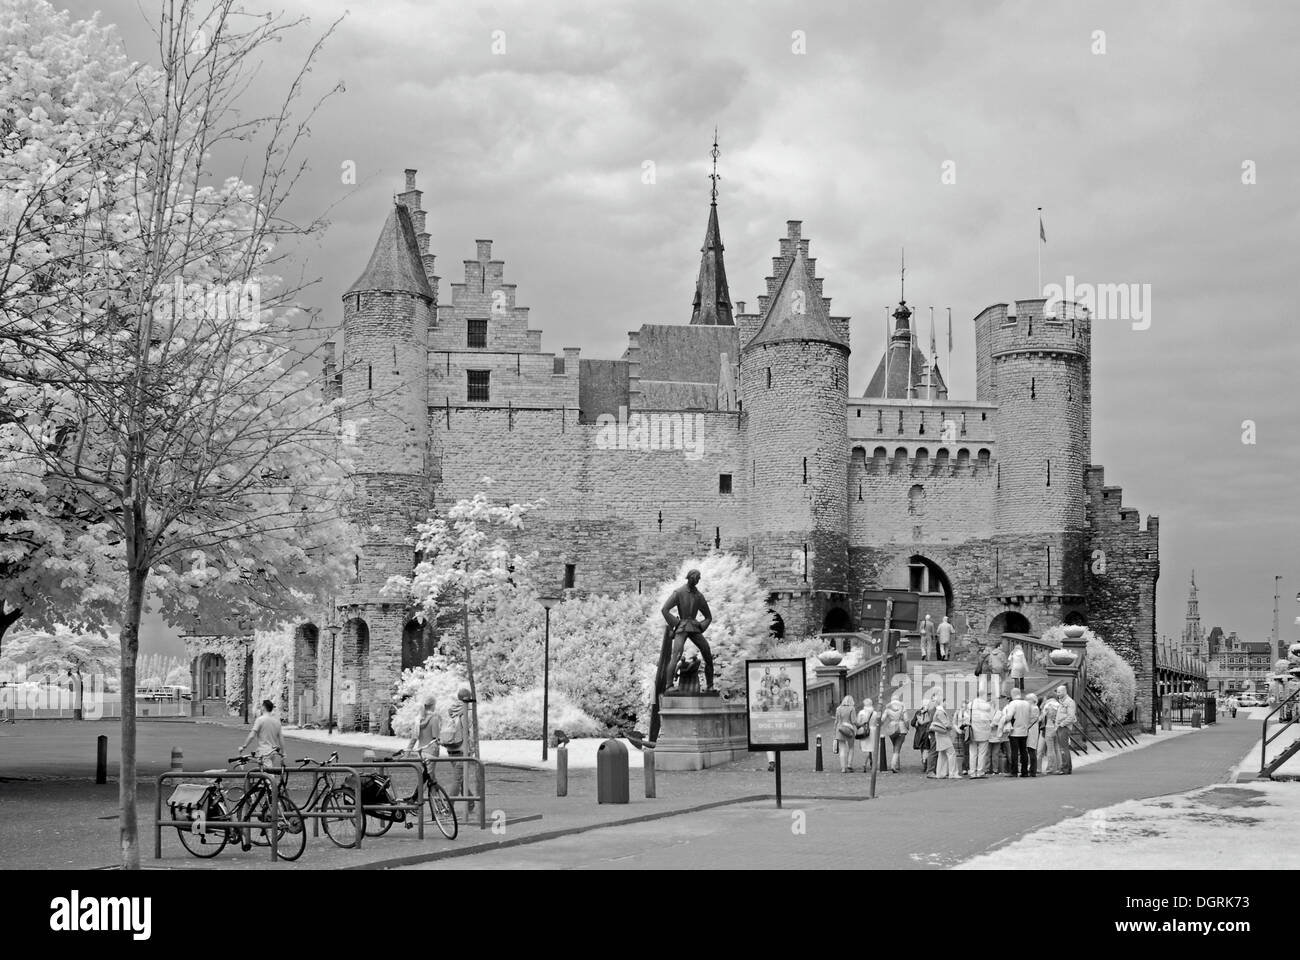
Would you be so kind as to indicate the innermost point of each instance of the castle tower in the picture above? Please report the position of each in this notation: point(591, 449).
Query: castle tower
point(1034, 364)
point(1193, 642)
point(387, 313)
point(794, 384)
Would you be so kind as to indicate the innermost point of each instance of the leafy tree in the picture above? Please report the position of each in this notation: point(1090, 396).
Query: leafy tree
point(62, 652)
point(466, 566)
point(154, 364)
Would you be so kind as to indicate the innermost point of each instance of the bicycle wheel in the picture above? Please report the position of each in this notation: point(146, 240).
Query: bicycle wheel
point(342, 829)
point(291, 834)
point(208, 842)
point(441, 810)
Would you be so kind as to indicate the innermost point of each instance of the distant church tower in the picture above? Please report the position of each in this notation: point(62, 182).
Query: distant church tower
point(1193, 639)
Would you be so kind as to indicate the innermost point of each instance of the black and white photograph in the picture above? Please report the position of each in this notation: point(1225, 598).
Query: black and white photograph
point(569, 436)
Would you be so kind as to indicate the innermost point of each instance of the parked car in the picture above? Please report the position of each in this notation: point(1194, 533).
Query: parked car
point(1249, 700)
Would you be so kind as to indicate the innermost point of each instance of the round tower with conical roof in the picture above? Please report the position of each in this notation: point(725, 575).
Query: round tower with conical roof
point(794, 383)
point(384, 377)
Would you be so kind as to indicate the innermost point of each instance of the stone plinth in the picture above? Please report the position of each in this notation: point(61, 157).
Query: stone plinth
point(700, 730)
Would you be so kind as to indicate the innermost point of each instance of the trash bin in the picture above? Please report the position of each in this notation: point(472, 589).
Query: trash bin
point(1196, 717)
point(611, 773)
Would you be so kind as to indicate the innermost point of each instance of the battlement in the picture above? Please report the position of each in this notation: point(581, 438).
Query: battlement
point(928, 422)
point(1026, 328)
point(916, 460)
point(1106, 511)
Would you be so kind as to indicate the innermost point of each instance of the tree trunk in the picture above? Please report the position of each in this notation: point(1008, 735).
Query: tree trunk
point(473, 690)
point(130, 644)
point(7, 619)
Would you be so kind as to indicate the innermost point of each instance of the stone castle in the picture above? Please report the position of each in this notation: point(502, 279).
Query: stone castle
point(734, 429)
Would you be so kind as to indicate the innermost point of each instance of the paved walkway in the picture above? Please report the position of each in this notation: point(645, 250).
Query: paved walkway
point(937, 827)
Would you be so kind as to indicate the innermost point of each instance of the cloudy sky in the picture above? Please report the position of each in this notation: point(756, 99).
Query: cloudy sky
point(1136, 155)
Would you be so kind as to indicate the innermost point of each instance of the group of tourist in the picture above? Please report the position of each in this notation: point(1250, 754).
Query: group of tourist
point(989, 736)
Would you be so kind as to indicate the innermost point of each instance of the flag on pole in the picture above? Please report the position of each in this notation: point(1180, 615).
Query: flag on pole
point(1042, 231)
point(950, 329)
point(934, 352)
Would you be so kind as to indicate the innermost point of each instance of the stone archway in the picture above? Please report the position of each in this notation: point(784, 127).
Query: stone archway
point(417, 644)
point(837, 620)
point(1009, 621)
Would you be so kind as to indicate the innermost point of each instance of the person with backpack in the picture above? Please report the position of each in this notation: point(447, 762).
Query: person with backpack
point(453, 735)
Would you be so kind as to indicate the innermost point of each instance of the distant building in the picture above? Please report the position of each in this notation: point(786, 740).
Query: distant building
point(1193, 641)
point(1239, 664)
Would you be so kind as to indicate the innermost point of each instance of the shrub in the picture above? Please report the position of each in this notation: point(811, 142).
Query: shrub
point(434, 677)
point(1108, 674)
point(518, 716)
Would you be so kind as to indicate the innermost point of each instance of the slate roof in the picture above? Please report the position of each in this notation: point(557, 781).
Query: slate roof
point(795, 311)
point(902, 344)
point(712, 298)
point(395, 264)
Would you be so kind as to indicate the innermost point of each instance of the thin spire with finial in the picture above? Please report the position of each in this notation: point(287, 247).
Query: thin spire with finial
point(902, 274)
point(713, 190)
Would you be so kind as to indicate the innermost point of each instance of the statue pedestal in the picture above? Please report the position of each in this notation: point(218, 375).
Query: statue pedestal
point(700, 730)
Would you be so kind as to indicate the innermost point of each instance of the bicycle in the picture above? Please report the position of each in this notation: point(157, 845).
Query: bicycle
point(205, 837)
point(380, 789)
point(326, 796)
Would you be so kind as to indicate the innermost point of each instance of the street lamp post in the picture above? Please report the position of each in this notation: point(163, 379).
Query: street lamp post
point(547, 601)
point(334, 642)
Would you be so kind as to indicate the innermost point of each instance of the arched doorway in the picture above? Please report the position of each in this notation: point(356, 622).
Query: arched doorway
point(354, 694)
point(305, 700)
point(777, 628)
point(210, 685)
point(837, 621)
point(417, 644)
point(927, 577)
point(1009, 621)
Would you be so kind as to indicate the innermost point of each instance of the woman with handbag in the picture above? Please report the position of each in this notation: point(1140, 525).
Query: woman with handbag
point(921, 739)
point(846, 732)
point(895, 721)
point(998, 739)
point(868, 733)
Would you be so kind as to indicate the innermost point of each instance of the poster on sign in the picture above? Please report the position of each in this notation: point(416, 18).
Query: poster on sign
point(776, 695)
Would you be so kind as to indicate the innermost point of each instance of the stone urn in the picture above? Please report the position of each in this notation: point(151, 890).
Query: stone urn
point(1075, 632)
point(830, 658)
point(1061, 658)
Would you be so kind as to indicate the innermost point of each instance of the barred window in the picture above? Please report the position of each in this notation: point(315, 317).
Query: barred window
point(476, 335)
point(478, 385)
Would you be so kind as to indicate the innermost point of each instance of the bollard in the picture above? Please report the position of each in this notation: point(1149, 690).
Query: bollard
point(611, 773)
point(561, 771)
point(178, 759)
point(101, 759)
point(648, 758)
point(818, 767)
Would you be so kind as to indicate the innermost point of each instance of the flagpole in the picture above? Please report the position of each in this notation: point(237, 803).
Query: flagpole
point(888, 333)
point(934, 356)
point(1038, 246)
point(948, 357)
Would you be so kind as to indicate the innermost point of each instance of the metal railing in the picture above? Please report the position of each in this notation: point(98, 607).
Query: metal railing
point(317, 815)
point(1294, 701)
point(480, 784)
point(248, 775)
point(416, 807)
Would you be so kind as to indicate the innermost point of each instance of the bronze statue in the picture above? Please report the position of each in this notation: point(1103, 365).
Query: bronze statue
point(690, 605)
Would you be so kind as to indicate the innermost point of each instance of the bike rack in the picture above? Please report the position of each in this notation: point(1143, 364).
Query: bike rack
point(159, 822)
point(480, 778)
point(317, 815)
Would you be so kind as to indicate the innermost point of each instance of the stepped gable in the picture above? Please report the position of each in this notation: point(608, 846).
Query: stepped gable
point(795, 309)
point(395, 264)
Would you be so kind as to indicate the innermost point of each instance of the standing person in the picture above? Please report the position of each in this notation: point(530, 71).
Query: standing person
point(921, 718)
point(453, 735)
point(868, 732)
point(997, 672)
point(997, 738)
point(982, 671)
point(1052, 761)
point(895, 721)
point(981, 725)
point(941, 728)
point(845, 733)
point(945, 631)
point(927, 637)
point(270, 743)
point(1019, 667)
point(1032, 742)
point(1018, 715)
point(961, 737)
point(1066, 717)
point(427, 727)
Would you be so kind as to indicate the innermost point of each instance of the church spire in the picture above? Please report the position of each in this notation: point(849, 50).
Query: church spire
point(712, 298)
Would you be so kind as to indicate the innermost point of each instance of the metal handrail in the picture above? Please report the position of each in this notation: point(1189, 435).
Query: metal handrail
point(1263, 747)
point(274, 779)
